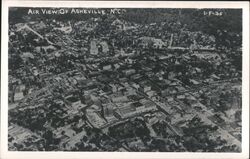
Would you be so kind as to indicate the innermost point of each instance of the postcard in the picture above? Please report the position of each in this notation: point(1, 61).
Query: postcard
point(105, 79)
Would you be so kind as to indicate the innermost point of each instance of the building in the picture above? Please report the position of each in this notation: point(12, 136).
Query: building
point(95, 118)
point(93, 47)
point(104, 46)
point(147, 42)
point(74, 102)
point(129, 72)
point(108, 112)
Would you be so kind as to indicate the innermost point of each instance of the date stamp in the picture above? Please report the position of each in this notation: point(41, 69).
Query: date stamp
point(213, 13)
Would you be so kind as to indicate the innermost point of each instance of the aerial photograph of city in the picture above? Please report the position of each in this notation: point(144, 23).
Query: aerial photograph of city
point(125, 79)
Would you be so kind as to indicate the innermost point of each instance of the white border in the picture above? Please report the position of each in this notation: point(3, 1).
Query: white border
point(5, 154)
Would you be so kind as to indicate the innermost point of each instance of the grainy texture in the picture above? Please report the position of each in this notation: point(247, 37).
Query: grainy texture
point(143, 80)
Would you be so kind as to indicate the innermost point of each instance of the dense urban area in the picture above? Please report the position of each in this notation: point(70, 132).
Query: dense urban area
point(147, 80)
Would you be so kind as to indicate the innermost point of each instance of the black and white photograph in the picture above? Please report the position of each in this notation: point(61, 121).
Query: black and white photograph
point(96, 79)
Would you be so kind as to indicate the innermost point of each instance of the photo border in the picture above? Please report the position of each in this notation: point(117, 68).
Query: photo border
point(5, 154)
